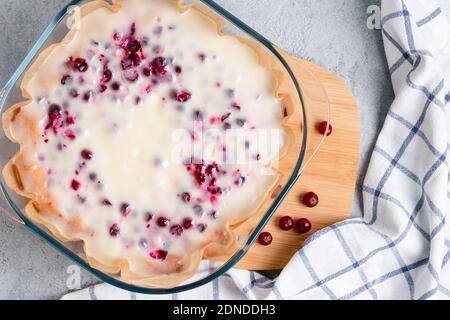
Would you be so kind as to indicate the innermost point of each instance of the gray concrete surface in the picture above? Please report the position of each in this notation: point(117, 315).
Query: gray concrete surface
point(332, 33)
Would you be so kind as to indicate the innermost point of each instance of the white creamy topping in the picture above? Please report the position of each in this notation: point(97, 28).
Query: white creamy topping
point(113, 104)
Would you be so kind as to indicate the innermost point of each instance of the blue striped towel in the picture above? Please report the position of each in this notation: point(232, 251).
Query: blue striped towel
point(400, 247)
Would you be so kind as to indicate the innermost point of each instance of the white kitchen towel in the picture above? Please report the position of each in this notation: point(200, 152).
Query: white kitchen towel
point(400, 247)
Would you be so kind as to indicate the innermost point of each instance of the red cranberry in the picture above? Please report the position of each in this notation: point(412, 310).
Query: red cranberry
point(187, 223)
point(81, 65)
point(81, 199)
point(147, 72)
point(117, 36)
point(102, 88)
point(322, 127)
point(114, 231)
point(162, 222)
point(213, 214)
point(70, 120)
point(131, 75)
point(159, 65)
point(106, 202)
point(214, 190)
point(126, 63)
point(67, 79)
point(234, 105)
point(202, 57)
point(311, 199)
point(159, 62)
point(88, 95)
point(265, 238)
point(201, 227)
point(178, 69)
point(70, 134)
point(107, 75)
point(54, 112)
point(186, 196)
point(148, 217)
point(74, 93)
point(133, 46)
point(286, 223)
point(115, 86)
point(241, 122)
point(225, 117)
point(240, 181)
point(212, 168)
point(183, 96)
point(303, 225)
point(75, 185)
point(176, 230)
point(198, 115)
point(125, 209)
point(87, 154)
point(158, 254)
point(200, 178)
point(136, 59)
point(133, 28)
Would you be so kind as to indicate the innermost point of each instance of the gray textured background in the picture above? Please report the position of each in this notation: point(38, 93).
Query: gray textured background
point(332, 33)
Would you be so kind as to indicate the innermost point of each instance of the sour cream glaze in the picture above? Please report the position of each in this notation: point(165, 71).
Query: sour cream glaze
point(107, 110)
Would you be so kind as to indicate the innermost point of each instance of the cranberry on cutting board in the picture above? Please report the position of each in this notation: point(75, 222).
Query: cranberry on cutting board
point(310, 199)
point(286, 223)
point(265, 238)
point(322, 128)
point(303, 225)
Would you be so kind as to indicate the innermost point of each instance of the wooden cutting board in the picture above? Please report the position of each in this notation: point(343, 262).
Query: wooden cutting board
point(331, 174)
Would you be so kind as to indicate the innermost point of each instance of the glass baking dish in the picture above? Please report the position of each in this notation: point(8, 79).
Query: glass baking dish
point(299, 101)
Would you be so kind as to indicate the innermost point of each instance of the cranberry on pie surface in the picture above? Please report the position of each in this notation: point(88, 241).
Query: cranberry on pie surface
point(103, 138)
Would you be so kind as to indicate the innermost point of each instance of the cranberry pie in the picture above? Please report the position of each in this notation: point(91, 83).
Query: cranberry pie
point(132, 135)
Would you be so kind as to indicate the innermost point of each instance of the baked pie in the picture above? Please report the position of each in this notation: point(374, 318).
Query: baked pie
point(131, 134)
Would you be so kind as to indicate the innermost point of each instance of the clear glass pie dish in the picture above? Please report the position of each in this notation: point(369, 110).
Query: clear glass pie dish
point(300, 91)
